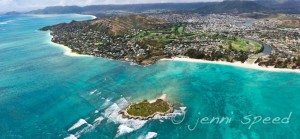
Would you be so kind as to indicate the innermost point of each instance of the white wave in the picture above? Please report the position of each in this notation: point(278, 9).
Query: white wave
point(182, 108)
point(98, 94)
point(133, 64)
point(151, 135)
point(123, 129)
point(99, 119)
point(93, 17)
point(78, 124)
point(71, 137)
point(134, 124)
point(104, 105)
point(92, 92)
point(171, 115)
point(112, 113)
point(6, 22)
point(89, 127)
point(122, 103)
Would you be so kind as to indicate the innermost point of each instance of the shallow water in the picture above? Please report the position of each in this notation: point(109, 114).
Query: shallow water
point(43, 93)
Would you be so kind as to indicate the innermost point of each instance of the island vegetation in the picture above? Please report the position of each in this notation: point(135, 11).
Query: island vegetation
point(145, 109)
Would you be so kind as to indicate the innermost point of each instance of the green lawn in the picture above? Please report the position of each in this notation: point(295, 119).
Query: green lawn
point(164, 35)
point(177, 32)
point(180, 30)
point(241, 44)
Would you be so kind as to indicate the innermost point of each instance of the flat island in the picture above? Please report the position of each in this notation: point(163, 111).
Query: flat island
point(147, 109)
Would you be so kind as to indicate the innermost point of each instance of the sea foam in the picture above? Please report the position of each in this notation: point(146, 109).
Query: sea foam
point(126, 125)
point(175, 113)
point(92, 92)
point(6, 22)
point(123, 129)
point(89, 127)
point(99, 119)
point(71, 137)
point(151, 135)
point(78, 124)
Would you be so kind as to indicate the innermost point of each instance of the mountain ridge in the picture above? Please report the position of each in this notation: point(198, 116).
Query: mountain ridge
point(234, 7)
point(128, 8)
point(228, 6)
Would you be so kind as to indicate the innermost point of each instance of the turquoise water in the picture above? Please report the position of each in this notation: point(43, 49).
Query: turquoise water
point(43, 93)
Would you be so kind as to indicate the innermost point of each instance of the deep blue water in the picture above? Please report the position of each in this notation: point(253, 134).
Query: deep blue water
point(44, 93)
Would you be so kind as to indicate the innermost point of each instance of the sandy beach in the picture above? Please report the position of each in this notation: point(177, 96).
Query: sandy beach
point(162, 97)
point(67, 50)
point(237, 64)
point(94, 17)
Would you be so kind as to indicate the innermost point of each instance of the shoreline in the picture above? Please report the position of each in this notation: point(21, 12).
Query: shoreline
point(67, 50)
point(162, 97)
point(236, 64)
point(93, 17)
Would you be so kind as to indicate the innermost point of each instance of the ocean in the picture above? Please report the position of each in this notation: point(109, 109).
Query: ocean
point(46, 94)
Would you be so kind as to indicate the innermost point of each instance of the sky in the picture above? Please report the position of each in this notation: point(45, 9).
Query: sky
point(27, 5)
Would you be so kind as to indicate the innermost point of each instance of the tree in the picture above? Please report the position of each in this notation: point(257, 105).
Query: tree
point(230, 45)
point(193, 53)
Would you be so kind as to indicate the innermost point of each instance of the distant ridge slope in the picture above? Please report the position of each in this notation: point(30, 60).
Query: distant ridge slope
point(121, 25)
point(287, 6)
point(92, 9)
point(59, 10)
point(113, 26)
point(234, 7)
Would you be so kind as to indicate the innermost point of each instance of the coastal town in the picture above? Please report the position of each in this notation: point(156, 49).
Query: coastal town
point(282, 38)
point(144, 39)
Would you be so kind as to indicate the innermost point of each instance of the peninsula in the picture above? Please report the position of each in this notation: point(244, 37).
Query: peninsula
point(145, 39)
